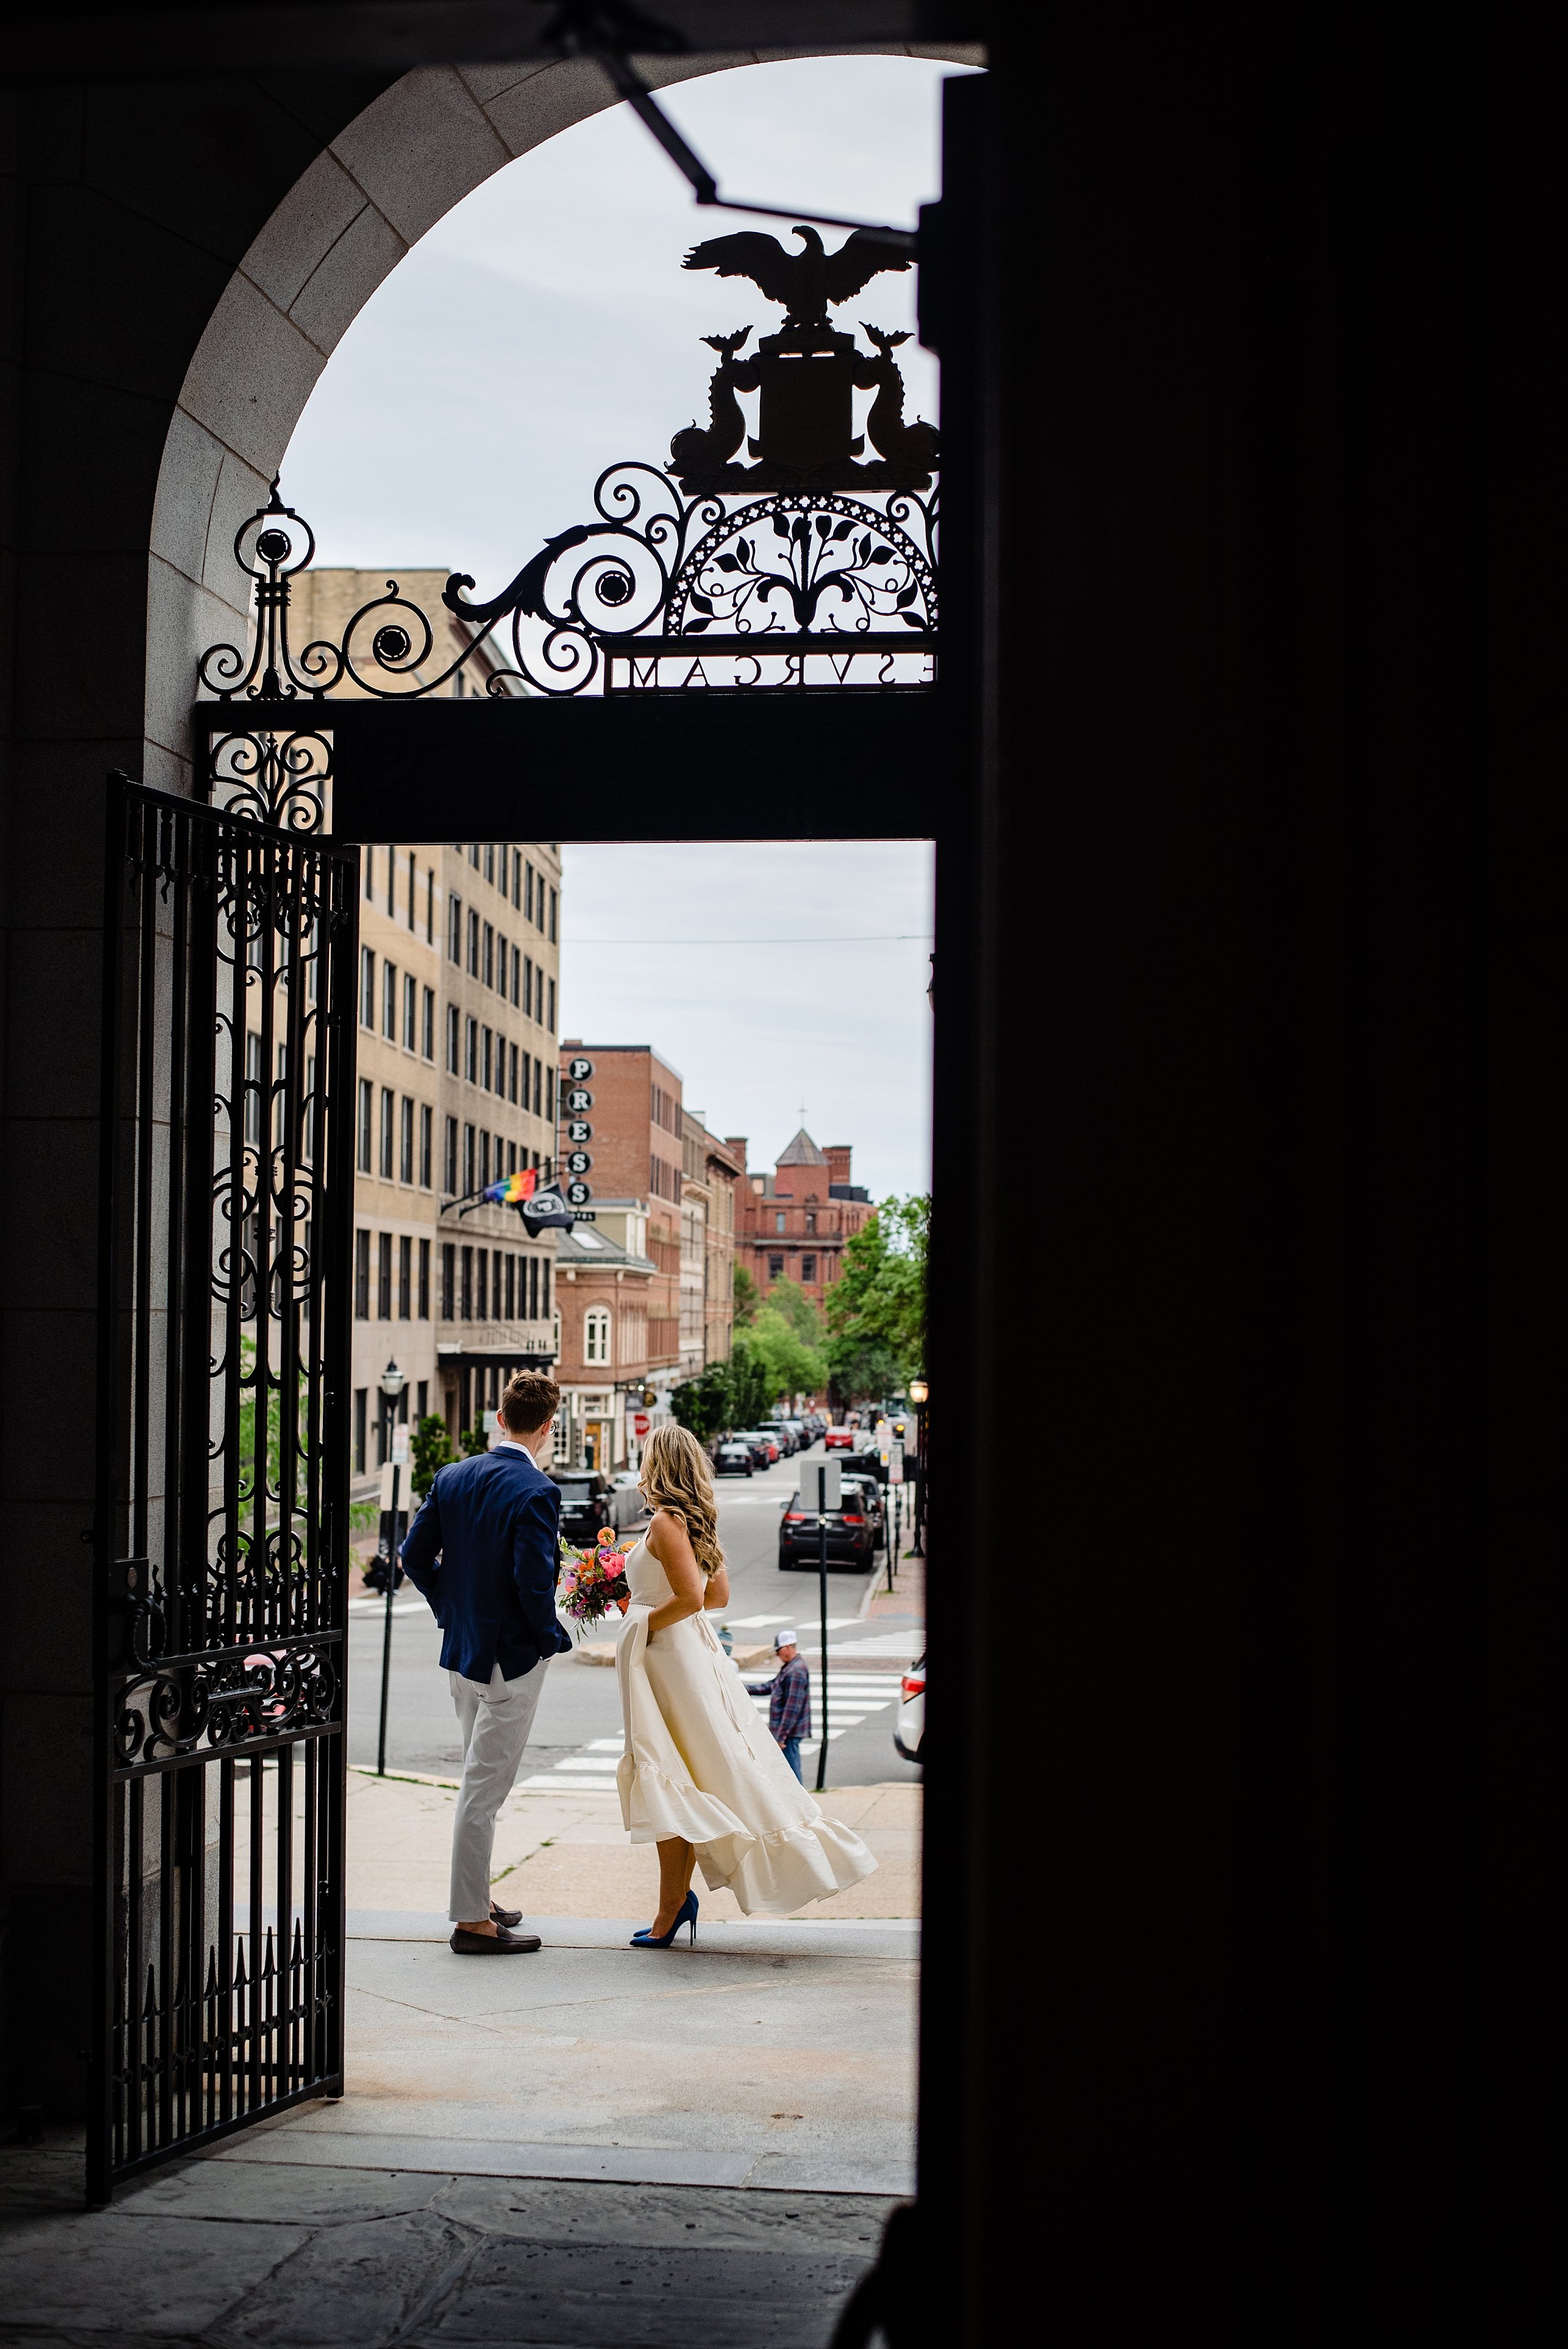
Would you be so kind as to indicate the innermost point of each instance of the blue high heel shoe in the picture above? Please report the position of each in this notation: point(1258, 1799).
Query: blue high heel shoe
point(647, 1938)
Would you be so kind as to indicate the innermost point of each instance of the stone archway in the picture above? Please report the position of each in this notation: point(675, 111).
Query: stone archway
point(380, 184)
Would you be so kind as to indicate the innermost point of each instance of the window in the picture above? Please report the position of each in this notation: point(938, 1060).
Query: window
point(527, 1076)
point(503, 859)
point(502, 964)
point(427, 1143)
point(550, 1023)
point(810, 1219)
point(517, 975)
point(384, 1277)
point(406, 1143)
point(552, 917)
point(411, 1014)
point(472, 1051)
point(511, 1089)
point(454, 1048)
point(413, 884)
point(362, 1276)
point(490, 863)
point(597, 1335)
point(511, 1160)
point(424, 1299)
point(450, 1171)
point(361, 1413)
point(430, 906)
point(544, 1295)
point(455, 929)
point(808, 1267)
point(527, 985)
point(473, 945)
point(466, 1296)
point(516, 882)
point(474, 854)
point(390, 1002)
point(468, 1158)
point(489, 972)
point(528, 894)
point(405, 1279)
point(424, 1384)
point(485, 1042)
point(428, 1037)
point(449, 1281)
point(370, 872)
point(484, 1159)
point(511, 1289)
point(367, 988)
point(367, 1115)
point(549, 1094)
point(483, 1269)
point(775, 1267)
point(778, 1220)
point(533, 1288)
point(387, 1107)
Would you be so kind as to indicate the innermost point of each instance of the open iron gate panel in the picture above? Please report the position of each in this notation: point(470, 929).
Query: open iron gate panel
point(222, 1521)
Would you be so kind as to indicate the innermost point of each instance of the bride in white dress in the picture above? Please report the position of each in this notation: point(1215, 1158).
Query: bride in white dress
point(700, 1775)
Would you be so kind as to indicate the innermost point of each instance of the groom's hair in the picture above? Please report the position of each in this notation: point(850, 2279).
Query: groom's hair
point(530, 1400)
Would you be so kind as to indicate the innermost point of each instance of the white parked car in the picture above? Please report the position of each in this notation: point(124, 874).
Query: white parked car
point(909, 1729)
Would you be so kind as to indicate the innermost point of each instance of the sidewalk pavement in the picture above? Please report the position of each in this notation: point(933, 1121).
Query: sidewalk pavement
point(566, 1854)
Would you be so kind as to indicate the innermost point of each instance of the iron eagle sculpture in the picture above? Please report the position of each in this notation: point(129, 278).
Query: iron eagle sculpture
point(806, 283)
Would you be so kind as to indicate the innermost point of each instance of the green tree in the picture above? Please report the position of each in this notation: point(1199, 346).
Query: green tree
point(748, 1297)
point(789, 1299)
point(706, 1405)
point(876, 1308)
point(749, 1384)
point(791, 1365)
point(474, 1439)
point(430, 1451)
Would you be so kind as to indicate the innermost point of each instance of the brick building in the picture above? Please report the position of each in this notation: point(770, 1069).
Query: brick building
point(458, 984)
point(793, 1223)
point(712, 1175)
point(601, 1289)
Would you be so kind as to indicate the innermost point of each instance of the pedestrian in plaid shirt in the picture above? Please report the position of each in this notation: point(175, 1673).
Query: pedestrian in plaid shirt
point(788, 1695)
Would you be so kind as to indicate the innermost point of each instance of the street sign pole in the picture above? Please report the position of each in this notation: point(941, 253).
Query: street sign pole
point(822, 1477)
point(386, 1626)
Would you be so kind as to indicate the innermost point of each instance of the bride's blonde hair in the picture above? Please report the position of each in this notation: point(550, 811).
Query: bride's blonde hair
point(676, 1477)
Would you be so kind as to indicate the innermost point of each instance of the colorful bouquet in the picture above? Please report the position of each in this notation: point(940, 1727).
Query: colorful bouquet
point(592, 1580)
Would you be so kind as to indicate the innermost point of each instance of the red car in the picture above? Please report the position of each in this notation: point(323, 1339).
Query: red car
point(839, 1439)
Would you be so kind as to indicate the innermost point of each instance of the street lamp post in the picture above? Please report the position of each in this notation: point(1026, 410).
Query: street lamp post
point(918, 1391)
point(392, 1382)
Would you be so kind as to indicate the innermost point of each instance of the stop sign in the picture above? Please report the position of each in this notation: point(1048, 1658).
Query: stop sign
point(639, 1424)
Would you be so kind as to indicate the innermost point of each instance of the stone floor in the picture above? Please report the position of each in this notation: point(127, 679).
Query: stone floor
point(223, 2254)
point(589, 2145)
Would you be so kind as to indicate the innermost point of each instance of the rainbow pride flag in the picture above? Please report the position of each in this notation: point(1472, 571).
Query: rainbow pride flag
point(513, 1188)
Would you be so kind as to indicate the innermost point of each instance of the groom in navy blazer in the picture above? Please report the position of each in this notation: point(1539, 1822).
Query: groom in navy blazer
point(484, 1551)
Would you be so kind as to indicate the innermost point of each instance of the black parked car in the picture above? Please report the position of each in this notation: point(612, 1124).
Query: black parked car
point(872, 1499)
point(852, 1535)
point(733, 1460)
point(584, 1502)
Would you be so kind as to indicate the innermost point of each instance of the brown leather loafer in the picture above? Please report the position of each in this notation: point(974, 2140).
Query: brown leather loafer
point(498, 1944)
point(500, 1916)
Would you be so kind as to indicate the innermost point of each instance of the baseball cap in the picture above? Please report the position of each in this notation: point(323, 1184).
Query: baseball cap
point(786, 1639)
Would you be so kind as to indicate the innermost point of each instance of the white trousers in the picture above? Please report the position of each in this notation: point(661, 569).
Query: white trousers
point(496, 1722)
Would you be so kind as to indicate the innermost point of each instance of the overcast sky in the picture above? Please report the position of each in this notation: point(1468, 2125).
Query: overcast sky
point(544, 330)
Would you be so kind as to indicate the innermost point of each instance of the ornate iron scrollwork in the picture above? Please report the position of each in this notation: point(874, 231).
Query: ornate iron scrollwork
point(814, 550)
point(225, 1700)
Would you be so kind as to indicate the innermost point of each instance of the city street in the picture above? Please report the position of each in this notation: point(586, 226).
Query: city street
point(577, 1734)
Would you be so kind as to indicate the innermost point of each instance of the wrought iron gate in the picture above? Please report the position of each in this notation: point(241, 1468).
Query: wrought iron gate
point(222, 1496)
